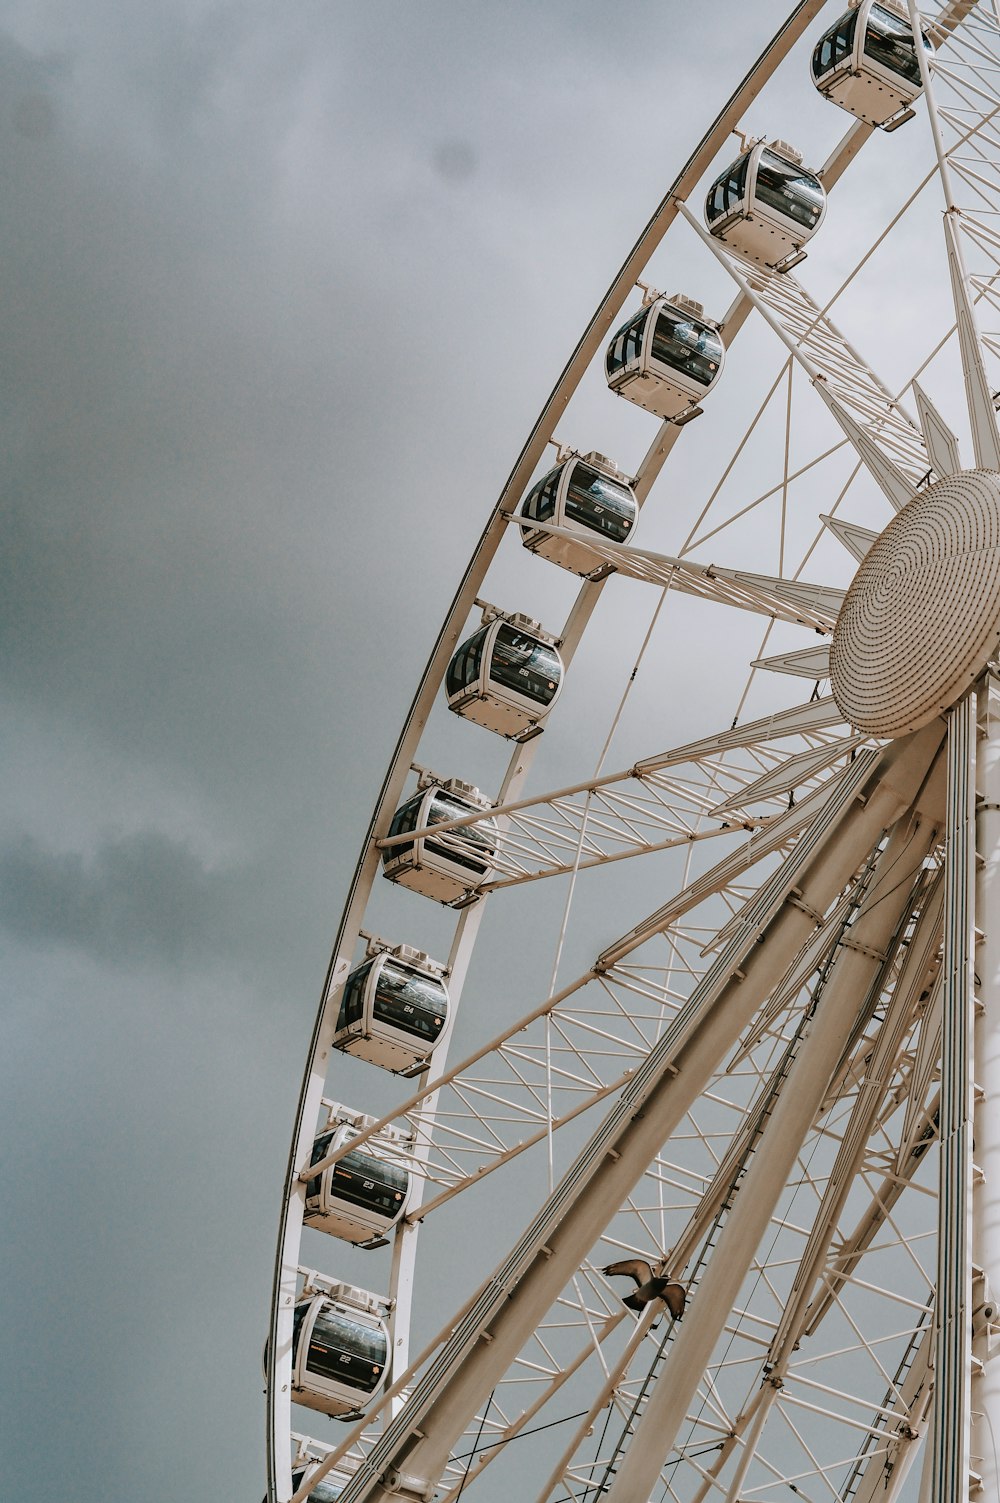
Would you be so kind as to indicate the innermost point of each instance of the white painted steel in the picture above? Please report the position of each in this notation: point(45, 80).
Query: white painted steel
point(900, 653)
point(758, 953)
point(985, 1441)
point(953, 1307)
point(278, 1374)
point(809, 1078)
point(521, 1289)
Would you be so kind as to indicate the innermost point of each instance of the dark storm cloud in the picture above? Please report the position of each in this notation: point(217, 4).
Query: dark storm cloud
point(283, 288)
point(143, 898)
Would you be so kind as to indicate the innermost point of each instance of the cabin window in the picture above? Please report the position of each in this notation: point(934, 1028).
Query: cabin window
point(782, 186)
point(600, 503)
point(889, 42)
point(460, 846)
point(404, 819)
point(412, 1003)
point(345, 1350)
point(373, 1183)
point(298, 1316)
point(463, 669)
point(686, 345)
point(627, 343)
point(729, 190)
point(540, 505)
point(836, 46)
point(321, 1148)
point(325, 1491)
point(353, 1001)
point(523, 663)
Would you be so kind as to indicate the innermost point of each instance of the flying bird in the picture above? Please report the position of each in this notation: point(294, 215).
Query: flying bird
point(648, 1287)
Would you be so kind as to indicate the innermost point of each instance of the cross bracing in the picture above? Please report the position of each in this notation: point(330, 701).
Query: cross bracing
point(822, 1344)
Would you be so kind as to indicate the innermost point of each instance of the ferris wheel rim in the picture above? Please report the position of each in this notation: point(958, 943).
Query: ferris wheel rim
point(508, 497)
point(802, 15)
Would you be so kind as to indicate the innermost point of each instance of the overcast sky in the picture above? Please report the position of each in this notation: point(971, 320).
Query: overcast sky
point(284, 287)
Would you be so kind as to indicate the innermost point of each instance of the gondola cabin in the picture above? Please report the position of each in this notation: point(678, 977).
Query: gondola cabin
point(666, 358)
point(340, 1349)
point(393, 1010)
point(361, 1196)
point(327, 1490)
point(506, 677)
point(766, 205)
point(308, 1457)
point(447, 867)
point(867, 63)
point(586, 495)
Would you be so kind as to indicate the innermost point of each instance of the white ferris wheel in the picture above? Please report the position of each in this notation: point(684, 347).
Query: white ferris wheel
point(649, 1141)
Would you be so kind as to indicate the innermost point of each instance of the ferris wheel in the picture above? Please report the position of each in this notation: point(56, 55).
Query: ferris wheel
point(649, 1140)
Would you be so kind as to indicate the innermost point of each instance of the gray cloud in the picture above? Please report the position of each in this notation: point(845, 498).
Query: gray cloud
point(139, 899)
point(283, 290)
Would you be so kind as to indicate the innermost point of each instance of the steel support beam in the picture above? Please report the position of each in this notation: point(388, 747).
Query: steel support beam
point(986, 1033)
point(413, 1453)
point(855, 971)
point(949, 1462)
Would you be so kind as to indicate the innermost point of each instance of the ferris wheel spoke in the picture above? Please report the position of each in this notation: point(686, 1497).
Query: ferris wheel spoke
point(461, 1373)
point(657, 803)
point(765, 1177)
point(920, 955)
point(844, 380)
point(788, 999)
point(855, 538)
point(976, 128)
point(794, 601)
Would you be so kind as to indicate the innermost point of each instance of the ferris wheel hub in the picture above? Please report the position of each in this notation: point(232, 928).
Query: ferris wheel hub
point(922, 616)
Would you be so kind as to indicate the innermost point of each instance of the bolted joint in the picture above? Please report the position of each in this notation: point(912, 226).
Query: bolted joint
point(406, 1486)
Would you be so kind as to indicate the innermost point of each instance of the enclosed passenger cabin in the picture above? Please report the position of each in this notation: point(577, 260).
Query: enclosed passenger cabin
point(506, 677)
point(393, 1011)
point(340, 1349)
point(327, 1490)
point(362, 1195)
point(666, 358)
point(586, 495)
point(867, 63)
point(447, 867)
point(308, 1456)
point(766, 205)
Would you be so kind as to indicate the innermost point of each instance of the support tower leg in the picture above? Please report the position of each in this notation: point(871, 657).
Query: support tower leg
point(985, 1447)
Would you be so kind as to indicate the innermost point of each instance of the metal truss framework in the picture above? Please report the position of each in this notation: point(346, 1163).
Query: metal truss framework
point(812, 990)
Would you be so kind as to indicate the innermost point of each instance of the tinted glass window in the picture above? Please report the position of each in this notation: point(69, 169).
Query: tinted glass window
point(463, 669)
point(326, 1491)
point(600, 503)
point(523, 663)
point(686, 345)
point(353, 1000)
point(411, 1002)
point(627, 343)
point(321, 1148)
point(726, 194)
point(889, 42)
point(347, 1351)
point(405, 818)
point(795, 193)
point(540, 504)
point(298, 1316)
point(472, 845)
point(362, 1180)
point(835, 46)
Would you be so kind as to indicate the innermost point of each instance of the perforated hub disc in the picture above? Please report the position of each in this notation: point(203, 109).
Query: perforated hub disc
point(922, 616)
